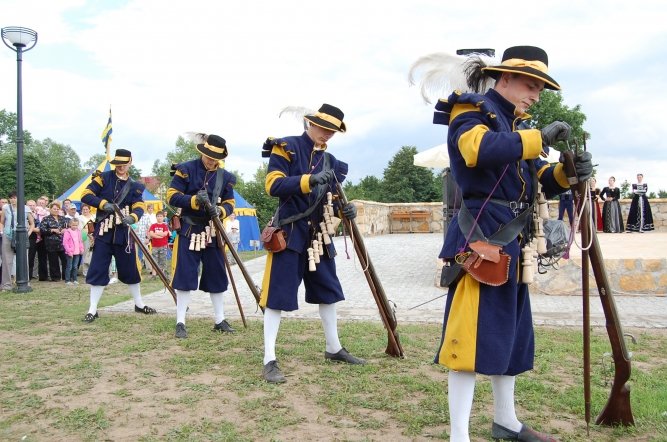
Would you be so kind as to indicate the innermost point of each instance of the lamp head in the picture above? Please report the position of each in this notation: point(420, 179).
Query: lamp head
point(20, 38)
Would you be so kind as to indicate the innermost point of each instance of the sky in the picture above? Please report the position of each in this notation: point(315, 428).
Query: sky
point(229, 68)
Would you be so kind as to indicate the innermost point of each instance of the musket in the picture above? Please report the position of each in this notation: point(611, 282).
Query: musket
point(220, 230)
point(147, 254)
point(386, 312)
point(221, 248)
point(618, 408)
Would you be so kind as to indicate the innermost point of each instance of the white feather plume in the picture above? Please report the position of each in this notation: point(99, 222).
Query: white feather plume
point(442, 73)
point(297, 112)
point(197, 137)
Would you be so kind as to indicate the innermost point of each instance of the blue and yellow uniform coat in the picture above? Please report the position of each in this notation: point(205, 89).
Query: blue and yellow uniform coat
point(292, 161)
point(106, 188)
point(489, 329)
point(189, 178)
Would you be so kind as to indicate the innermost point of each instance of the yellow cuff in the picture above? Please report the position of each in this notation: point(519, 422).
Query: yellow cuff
point(531, 139)
point(136, 218)
point(102, 203)
point(305, 183)
point(193, 203)
point(561, 178)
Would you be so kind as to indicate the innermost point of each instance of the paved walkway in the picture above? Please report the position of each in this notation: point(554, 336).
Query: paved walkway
point(406, 265)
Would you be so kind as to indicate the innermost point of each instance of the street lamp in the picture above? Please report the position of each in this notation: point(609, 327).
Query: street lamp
point(20, 40)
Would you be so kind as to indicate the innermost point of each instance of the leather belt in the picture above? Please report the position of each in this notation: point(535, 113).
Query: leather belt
point(515, 206)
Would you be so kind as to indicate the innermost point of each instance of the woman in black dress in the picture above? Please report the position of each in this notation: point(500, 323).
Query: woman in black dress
point(611, 210)
point(640, 218)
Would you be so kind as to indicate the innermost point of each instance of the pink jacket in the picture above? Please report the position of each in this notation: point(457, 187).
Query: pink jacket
point(73, 242)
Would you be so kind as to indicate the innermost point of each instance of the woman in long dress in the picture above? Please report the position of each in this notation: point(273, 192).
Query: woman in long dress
point(595, 205)
point(611, 210)
point(640, 218)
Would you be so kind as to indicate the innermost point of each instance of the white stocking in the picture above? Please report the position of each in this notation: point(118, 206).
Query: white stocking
point(271, 326)
point(461, 392)
point(218, 307)
point(95, 296)
point(136, 294)
point(330, 325)
point(182, 302)
point(503, 402)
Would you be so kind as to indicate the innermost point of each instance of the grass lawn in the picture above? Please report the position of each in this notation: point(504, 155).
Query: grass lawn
point(125, 377)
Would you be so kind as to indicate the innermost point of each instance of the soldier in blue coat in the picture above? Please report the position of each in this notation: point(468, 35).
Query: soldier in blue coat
point(195, 185)
point(496, 162)
point(300, 173)
point(112, 236)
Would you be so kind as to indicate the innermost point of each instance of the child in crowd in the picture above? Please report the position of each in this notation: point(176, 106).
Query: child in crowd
point(159, 235)
point(74, 250)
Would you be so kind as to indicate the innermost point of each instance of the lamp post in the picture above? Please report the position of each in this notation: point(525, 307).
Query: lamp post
point(20, 40)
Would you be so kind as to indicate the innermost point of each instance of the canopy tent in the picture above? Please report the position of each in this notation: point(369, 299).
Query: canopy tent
point(434, 157)
point(74, 192)
point(247, 216)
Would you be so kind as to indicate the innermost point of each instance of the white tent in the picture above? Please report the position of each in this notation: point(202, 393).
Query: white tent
point(436, 157)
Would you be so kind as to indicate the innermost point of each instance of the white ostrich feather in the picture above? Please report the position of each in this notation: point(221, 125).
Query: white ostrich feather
point(197, 137)
point(297, 112)
point(442, 73)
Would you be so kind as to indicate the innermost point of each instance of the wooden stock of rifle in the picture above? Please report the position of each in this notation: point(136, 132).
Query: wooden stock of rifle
point(386, 312)
point(147, 254)
point(617, 411)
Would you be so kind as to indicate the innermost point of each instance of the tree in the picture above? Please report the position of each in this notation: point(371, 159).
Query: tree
point(94, 161)
point(60, 160)
point(625, 190)
point(369, 189)
point(404, 182)
point(8, 127)
point(185, 150)
point(550, 108)
point(39, 181)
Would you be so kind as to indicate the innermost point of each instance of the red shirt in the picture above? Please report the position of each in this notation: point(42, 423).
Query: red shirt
point(159, 227)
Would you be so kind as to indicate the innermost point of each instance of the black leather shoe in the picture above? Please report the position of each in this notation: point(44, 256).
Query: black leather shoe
point(272, 373)
point(90, 317)
point(146, 310)
point(224, 327)
point(527, 434)
point(343, 356)
point(181, 333)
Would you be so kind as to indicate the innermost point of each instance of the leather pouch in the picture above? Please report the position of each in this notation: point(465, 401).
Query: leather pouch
point(487, 263)
point(274, 239)
point(175, 223)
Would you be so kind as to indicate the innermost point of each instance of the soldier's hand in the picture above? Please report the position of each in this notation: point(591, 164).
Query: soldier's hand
point(128, 220)
point(202, 198)
point(556, 131)
point(583, 164)
point(213, 211)
point(108, 207)
point(350, 211)
point(323, 177)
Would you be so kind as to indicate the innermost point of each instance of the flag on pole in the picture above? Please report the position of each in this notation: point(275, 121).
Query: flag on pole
point(106, 136)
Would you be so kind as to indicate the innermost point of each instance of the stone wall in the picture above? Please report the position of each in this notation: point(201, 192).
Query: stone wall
point(376, 218)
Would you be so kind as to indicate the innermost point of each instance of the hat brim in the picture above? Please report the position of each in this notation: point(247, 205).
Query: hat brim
point(495, 71)
point(118, 162)
point(202, 149)
point(325, 124)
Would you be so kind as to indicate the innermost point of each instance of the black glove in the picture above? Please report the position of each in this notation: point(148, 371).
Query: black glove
point(128, 220)
point(323, 177)
point(556, 131)
point(202, 198)
point(108, 207)
point(583, 164)
point(213, 211)
point(350, 211)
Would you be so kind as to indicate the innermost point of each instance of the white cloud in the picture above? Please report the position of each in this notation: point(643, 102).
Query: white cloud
point(230, 67)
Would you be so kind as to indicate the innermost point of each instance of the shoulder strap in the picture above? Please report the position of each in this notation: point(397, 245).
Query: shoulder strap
point(218, 185)
point(126, 189)
point(321, 191)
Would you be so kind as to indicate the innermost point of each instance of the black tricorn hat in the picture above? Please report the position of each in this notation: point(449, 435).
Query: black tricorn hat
point(526, 60)
point(123, 156)
point(214, 147)
point(328, 117)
